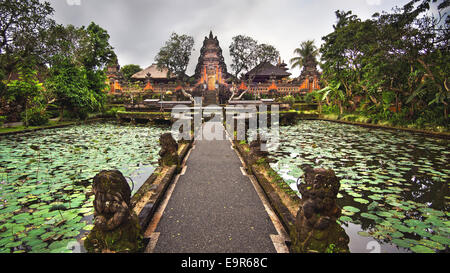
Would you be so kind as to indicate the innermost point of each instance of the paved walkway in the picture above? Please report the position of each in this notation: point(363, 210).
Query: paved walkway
point(214, 207)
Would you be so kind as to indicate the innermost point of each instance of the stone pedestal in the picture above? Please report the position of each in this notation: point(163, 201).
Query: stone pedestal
point(116, 227)
point(316, 229)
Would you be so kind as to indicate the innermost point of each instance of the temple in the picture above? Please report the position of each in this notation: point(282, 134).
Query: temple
point(211, 69)
point(265, 72)
point(154, 74)
point(211, 77)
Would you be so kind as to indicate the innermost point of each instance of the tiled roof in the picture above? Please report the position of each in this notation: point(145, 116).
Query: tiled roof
point(267, 69)
point(155, 73)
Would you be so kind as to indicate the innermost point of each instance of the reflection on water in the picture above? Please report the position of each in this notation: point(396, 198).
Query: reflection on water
point(394, 185)
point(139, 177)
point(359, 244)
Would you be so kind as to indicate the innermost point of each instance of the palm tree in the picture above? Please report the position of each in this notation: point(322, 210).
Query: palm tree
point(307, 50)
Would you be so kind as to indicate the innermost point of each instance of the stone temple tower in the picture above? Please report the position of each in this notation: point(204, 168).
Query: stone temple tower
point(211, 69)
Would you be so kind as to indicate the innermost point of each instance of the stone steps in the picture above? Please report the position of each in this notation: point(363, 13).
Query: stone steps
point(210, 97)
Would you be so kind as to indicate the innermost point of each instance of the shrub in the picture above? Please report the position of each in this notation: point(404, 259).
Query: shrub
point(310, 97)
point(288, 99)
point(113, 111)
point(37, 116)
point(2, 120)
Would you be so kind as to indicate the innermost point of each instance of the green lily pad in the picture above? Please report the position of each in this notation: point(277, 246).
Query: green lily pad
point(350, 208)
point(421, 249)
point(361, 200)
point(369, 216)
point(364, 234)
point(440, 239)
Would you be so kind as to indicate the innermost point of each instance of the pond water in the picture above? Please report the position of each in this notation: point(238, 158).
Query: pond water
point(45, 191)
point(394, 184)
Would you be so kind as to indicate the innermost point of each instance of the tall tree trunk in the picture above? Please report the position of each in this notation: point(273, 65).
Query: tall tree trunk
point(61, 113)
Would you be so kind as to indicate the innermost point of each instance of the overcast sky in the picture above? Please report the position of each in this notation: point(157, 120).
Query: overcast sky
point(139, 28)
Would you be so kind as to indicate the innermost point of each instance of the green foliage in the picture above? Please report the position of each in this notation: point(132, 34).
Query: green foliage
point(175, 54)
point(331, 248)
point(395, 60)
point(129, 70)
point(2, 120)
point(97, 52)
point(27, 90)
point(113, 111)
point(307, 51)
point(246, 53)
point(288, 99)
point(310, 97)
point(36, 116)
point(70, 86)
point(242, 52)
point(267, 53)
point(23, 26)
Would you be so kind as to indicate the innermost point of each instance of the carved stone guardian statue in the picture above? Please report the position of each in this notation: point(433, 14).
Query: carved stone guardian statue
point(116, 227)
point(316, 226)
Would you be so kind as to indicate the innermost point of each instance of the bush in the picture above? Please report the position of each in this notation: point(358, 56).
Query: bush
point(2, 120)
point(113, 111)
point(37, 116)
point(288, 99)
point(309, 97)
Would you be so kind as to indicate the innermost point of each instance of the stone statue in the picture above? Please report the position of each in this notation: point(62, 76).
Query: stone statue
point(316, 226)
point(116, 227)
point(168, 152)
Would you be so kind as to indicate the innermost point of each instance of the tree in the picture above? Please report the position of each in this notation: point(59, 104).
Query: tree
point(175, 54)
point(22, 31)
point(69, 84)
point(27, 90)
point(68, 41)
point(96, 50)
point(398, 58)
point(267, 53)
point(96, 53)
point(129, 70)
point(306, 51)
point(242, 52)
point(246, 53)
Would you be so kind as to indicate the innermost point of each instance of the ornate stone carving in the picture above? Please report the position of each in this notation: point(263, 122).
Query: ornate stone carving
point(316, 226)
point(116, 227)
point(168, 152)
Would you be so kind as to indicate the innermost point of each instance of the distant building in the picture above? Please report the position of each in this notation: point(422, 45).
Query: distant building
point(274, 79)
point(211, 70)
point(310, 76)
point(155, 75)
point(211, 74)
point(114, 77)
point(266, 72)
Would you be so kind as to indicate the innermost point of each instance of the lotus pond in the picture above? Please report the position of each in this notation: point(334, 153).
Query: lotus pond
point(394, 185)
point(45, 191)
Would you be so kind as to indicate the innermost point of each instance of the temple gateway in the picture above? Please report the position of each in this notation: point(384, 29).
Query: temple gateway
point(211, 70)
point(211, 78)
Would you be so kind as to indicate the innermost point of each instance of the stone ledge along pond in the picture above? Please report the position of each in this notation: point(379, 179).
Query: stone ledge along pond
point(45, 180)
point(394, 190)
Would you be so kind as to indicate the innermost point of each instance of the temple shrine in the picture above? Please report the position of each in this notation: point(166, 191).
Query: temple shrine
point(211, 69)
point(211, 75)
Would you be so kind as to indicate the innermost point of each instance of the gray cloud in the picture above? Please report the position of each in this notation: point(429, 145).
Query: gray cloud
point(138, 28)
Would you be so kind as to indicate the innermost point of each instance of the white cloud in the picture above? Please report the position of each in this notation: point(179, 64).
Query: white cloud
point(373, 2)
